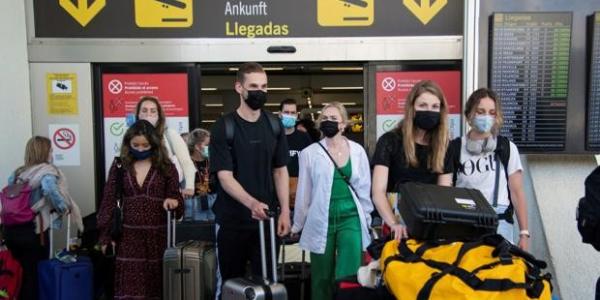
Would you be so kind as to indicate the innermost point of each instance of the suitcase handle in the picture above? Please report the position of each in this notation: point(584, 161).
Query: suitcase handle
point(51, 246)
point(171, 224)
point(263, 255)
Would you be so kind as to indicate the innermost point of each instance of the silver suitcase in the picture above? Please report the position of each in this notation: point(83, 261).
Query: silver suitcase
point(244, 289)
point(189, 268)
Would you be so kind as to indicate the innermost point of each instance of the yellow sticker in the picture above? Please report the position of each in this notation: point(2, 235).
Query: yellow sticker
point(164, 13)
point(332, 13)
point(62, 93)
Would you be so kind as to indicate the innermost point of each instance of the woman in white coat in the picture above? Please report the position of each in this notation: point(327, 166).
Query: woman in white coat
point(333, 203)
point(149, 109)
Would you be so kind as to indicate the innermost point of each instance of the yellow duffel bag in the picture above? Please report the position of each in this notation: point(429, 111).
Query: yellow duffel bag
point(489, 268)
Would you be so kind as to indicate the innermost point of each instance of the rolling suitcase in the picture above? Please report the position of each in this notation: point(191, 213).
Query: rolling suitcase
point(59, 280)
point(189, 268)
point(439, 212)
point(244, 289)
point(295, 275)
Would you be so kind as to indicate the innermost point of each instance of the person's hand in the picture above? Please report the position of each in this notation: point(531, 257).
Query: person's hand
point(398, 231)
point(258, 210)
point(524, 242)
point(283, 224)
point(187, 193)
point(104, 247)
point(170, 204)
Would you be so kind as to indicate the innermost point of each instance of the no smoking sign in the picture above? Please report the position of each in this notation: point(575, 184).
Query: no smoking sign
point(64, 138)
point(65, 142)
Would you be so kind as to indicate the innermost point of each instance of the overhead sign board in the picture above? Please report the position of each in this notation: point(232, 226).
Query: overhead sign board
point(246, 19)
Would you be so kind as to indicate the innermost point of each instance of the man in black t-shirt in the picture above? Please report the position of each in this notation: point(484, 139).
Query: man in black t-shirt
point(297, 141)
point(249, 154)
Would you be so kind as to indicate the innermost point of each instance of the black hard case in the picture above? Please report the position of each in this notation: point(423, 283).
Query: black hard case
point(437, 212)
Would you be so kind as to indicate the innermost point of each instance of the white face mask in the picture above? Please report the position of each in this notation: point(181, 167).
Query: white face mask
point(152, 119)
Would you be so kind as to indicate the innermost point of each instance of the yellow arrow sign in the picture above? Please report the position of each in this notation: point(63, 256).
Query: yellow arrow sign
point(82, 13)
point(425, 11)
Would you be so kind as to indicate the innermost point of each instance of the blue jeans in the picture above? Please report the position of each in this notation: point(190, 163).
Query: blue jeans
point(505, 229)
point(199, 208)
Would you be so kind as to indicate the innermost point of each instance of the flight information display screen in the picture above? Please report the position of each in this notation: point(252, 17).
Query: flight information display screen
point(529, 69)
point(593, 99)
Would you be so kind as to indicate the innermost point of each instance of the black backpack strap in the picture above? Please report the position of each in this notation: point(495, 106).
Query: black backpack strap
point(275, 124)
point(454, 147)
point(502, 153)
point(229, 129)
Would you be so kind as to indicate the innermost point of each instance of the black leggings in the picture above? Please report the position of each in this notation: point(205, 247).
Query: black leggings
point(24, 245)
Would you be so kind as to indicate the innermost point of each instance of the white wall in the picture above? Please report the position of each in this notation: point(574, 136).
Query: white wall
point(558, 185)
point(15, 103)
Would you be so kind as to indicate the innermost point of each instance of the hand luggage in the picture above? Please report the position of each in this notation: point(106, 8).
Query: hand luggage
point(195, 231)
point(295, 275)
point(438, 212)
point(488, 268)
point(189, 268)
point(11, 275)
point(69, 278)
point(244, 289)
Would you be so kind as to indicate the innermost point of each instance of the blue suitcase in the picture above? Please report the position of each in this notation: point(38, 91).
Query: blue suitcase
point(60, 280)
point(66, 281)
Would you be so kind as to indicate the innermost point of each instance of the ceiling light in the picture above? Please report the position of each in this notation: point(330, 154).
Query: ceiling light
point(209, 121)
point(233, 69)
point(342, 68)
point(278, 88)
point(213, 104)
point(342, 88)
point(209, 89)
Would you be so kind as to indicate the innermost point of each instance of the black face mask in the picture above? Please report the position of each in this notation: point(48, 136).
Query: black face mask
point(256, 99)
point(426, 119)
point(329, 128)
point(140, 155)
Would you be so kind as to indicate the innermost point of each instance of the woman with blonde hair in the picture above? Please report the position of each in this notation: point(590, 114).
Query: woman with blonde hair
point(333, 203)
point(414, 152)
point(28, 242)
point(149, 109)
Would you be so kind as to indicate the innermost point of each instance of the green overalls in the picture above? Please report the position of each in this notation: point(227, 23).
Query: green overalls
point(343, 251)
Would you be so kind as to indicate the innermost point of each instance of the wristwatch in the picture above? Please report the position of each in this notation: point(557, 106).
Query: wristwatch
point(524, 232)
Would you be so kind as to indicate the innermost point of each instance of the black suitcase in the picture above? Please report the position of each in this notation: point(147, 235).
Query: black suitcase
point(437, 212)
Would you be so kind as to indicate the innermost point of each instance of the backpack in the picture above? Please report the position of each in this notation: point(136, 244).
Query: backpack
point(588, 211)
point(501, 154)
point(486, 268)
point(14, 199)
point(230, 126)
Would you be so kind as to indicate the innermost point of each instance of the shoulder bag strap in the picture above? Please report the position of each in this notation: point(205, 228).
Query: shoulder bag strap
point(344, 176)
point(119, 183)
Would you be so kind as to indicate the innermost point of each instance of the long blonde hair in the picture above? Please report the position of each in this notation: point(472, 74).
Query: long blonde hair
point(37, 151)
point(438, 137)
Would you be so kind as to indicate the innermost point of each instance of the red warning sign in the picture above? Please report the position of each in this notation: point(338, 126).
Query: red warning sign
point(64, 138)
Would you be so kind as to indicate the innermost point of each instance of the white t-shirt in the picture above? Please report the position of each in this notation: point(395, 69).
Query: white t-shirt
point(479, 172)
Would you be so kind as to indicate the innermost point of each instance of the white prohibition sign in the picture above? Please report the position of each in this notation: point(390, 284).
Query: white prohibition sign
point(115, 86)
point(388, 84)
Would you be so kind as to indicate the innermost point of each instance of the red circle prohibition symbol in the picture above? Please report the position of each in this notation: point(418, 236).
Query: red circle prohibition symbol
point(64, 138)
